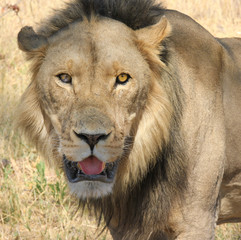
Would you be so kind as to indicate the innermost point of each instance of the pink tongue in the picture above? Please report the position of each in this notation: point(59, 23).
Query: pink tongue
point(91, 166)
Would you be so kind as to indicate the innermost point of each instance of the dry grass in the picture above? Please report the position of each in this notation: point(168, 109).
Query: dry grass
point(34, 202)
point(221, 17)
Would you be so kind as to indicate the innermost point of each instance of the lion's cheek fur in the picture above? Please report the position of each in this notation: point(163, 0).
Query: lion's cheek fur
point(151, 130)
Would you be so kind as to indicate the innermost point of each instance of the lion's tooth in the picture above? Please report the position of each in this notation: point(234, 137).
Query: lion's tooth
point(79, 166)
point(103, 166)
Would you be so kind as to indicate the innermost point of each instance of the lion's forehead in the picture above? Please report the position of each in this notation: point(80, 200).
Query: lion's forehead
point(106, 42)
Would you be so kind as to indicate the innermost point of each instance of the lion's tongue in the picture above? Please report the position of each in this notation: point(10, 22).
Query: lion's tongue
point(91, 166)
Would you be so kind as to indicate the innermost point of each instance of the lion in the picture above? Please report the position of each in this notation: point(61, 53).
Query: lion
point(139, 105)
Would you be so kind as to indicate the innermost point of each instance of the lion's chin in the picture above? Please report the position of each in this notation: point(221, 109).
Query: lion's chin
point(85, 185)
point(88, 189)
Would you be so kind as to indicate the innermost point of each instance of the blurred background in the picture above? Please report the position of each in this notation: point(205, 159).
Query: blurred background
point(34, 200)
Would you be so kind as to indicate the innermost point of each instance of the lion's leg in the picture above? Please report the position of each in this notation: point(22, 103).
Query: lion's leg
point(198, 230)
point(195, 221)
point(196, 217)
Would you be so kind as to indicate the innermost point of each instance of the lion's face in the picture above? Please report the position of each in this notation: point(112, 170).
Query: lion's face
point(95, 105)
point(92, 91)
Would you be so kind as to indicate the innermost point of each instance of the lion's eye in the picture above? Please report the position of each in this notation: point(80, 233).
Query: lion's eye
point(64, 77)
point(122, 78)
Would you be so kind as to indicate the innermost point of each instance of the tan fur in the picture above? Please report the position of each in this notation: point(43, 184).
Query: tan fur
point(171, 126)
point(158, 107)
point(32, 121)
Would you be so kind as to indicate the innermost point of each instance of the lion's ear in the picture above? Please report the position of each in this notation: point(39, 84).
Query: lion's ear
point(29, 41)
point(153, 35)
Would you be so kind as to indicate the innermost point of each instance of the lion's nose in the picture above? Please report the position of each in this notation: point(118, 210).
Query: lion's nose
point(92, 139)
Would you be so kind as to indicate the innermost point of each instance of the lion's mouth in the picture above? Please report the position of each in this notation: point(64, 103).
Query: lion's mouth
point(102, 173)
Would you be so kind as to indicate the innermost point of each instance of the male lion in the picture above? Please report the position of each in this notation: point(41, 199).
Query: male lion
point(140, 106)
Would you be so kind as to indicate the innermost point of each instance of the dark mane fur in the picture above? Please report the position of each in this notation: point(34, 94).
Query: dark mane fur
point(134, 13)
